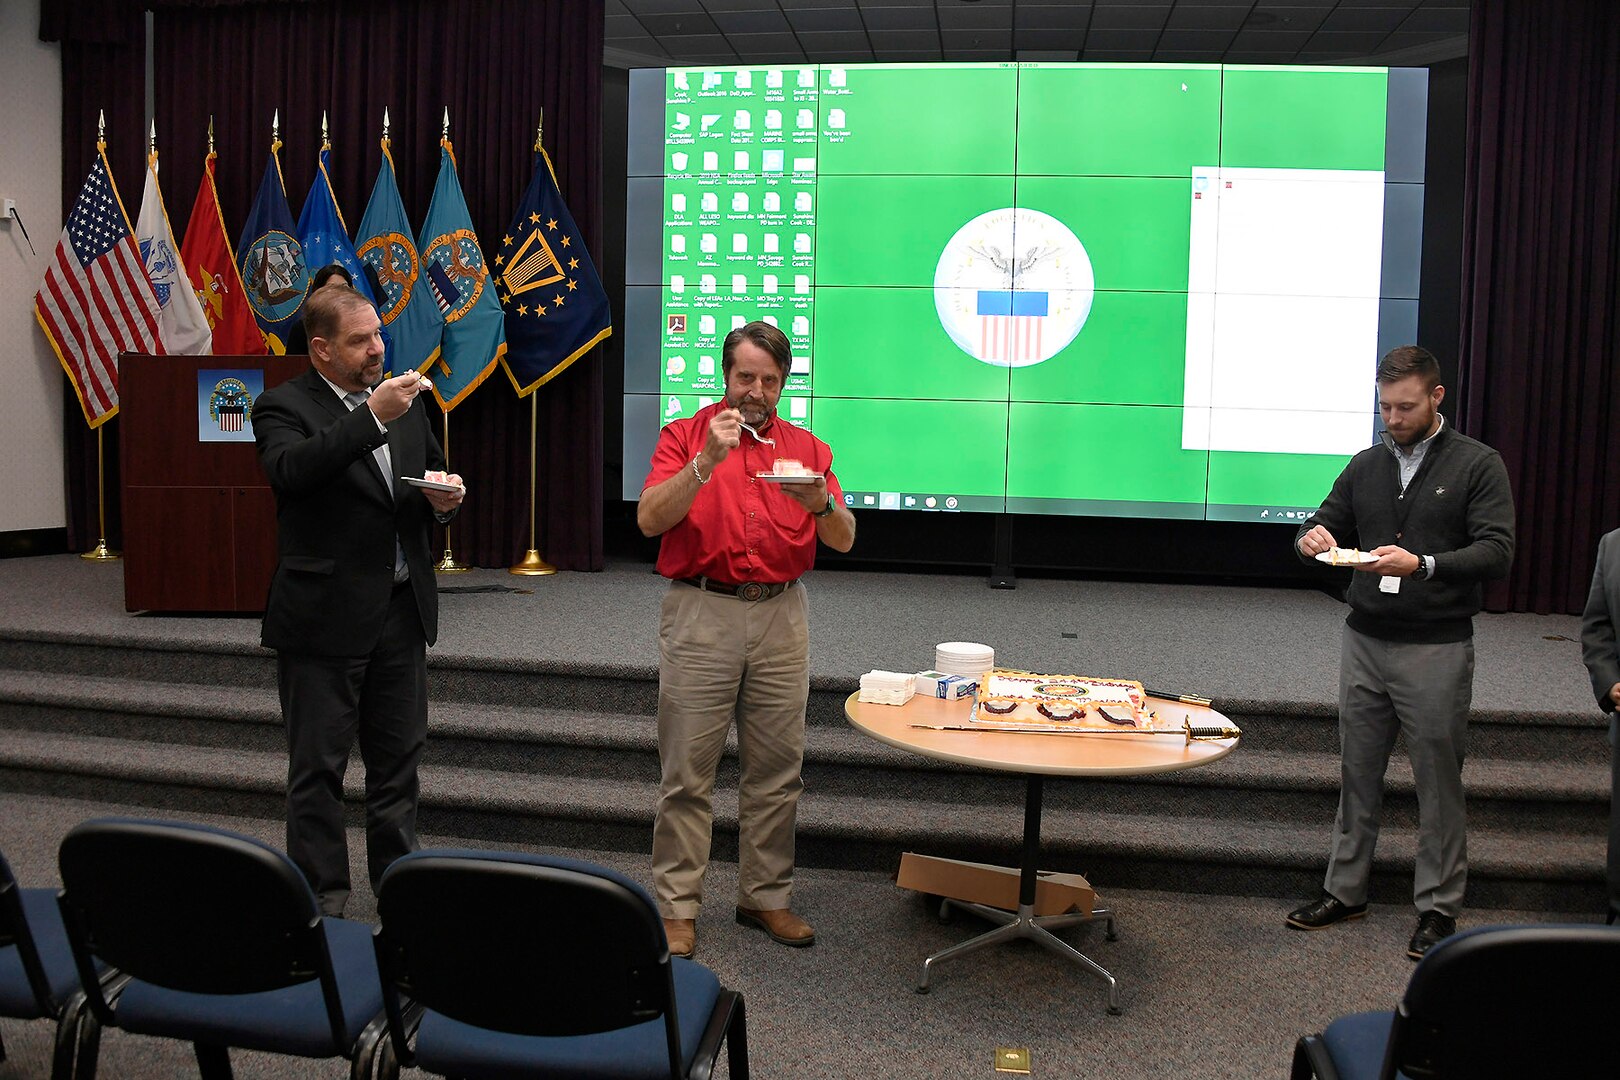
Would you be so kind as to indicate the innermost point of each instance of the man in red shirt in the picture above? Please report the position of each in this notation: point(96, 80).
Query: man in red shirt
point(734, 636)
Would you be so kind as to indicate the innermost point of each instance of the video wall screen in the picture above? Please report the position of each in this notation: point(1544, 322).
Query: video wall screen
point(1096, 289)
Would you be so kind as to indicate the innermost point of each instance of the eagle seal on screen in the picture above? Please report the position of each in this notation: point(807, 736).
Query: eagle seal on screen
point(1013, 287)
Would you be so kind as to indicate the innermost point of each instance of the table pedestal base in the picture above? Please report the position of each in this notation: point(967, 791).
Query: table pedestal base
point(1026, 924)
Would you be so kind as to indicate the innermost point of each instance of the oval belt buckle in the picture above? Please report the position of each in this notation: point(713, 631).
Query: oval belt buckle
point(751, 591)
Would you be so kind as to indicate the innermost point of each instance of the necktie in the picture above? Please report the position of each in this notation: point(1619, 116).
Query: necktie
point(356, 399)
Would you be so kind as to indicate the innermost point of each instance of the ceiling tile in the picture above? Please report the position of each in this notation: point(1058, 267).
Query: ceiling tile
point(1196, 40)
point(907, 56)
point(750, 45)
point(1258, 56)
point(1129, 17)
point(977, 56)
point(974, 17)
point(696, 45)
point(819, 19)
point(1049, 39)
point(1270, 41)
point(1225, 17)
point(1067, 17)
point(1353, 42)
point(898, 18)
point(664, 7)
point(1402, 39)
point(1383, 19)
point(1188, 56)
point(958, 40)
point(824, 40)
point(1040, 56)
point(1126, 40)
point(673, 25)
point(1454, 20)
point(749, 22)
point(1290, 16)
point(1118, 56)
point(740, 5)
point(905, 40)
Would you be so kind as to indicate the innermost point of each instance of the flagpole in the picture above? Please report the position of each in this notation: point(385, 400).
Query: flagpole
point(448, 564)
point(532, 565)
point(101, 552)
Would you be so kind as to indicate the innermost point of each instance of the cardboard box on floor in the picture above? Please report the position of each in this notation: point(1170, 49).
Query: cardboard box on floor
point(993, 886)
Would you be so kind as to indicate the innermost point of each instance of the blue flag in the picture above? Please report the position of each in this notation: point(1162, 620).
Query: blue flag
point(453, 267)
point(410, 316)
point(556, 308)
point(271, 259)
point(324, 235)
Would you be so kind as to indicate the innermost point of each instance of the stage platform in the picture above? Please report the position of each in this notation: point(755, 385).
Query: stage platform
point(543, 693)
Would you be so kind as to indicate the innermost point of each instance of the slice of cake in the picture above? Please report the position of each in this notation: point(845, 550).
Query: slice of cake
point(786, 466)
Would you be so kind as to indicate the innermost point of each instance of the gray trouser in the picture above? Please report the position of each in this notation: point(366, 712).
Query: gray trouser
point(1614, 815)
point(721, 657)
point(1422, 692)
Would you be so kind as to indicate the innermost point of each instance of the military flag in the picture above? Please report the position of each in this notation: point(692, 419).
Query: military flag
point(409, 314)
point(180, 317)
point(556, 308)
point(453, 266)
point(271, 259)
point(211, 266)
point(95, 301)
point(322, 232)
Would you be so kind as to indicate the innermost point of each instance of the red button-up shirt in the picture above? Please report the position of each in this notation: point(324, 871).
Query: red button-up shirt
point(740, 528)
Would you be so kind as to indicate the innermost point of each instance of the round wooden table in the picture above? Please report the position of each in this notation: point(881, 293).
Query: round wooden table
point(922, 725)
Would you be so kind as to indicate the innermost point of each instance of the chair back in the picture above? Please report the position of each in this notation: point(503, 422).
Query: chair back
point(15, 934)
point(523, 944)
point(1512, 1001)
point(188, 907)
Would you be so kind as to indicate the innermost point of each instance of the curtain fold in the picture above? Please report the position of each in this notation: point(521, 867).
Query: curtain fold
point(494, 63)
point(1541, 271)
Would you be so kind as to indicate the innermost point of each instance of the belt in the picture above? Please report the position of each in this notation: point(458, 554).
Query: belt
point(747, 590)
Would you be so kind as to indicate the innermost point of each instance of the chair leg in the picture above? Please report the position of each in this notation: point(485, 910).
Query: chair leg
point(213, 1061)
point(737, 1042)
point(82, 1062)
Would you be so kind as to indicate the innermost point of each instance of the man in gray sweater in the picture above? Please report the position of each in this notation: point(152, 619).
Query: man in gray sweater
point(1432, 512)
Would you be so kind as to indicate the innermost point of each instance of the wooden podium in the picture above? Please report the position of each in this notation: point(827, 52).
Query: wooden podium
point(199, 517)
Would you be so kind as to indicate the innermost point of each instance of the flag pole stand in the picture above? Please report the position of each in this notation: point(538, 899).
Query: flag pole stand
point(532, 565)
point(101, 552)
point(448, 564)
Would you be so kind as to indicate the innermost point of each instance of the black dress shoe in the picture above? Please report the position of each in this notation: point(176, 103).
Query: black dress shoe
point(1432, 928)
point(1323, 913)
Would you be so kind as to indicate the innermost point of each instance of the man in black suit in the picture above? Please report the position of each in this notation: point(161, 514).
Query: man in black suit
point(353, 604)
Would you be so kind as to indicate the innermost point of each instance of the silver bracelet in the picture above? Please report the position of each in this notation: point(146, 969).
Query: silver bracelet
point(700, 478)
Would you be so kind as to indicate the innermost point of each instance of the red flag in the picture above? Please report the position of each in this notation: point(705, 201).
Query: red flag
point(211, 265)
point(96, 301)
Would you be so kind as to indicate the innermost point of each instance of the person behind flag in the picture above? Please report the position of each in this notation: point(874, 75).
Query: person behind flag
point(95, 301)
point(181, 322)
point(323, 234)
point(556, 308)
point(211, 265)
point(411, 319)
point(474, 337)
point(271, 259)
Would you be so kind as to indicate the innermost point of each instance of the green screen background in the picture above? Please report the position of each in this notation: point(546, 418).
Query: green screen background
point(1108, 150)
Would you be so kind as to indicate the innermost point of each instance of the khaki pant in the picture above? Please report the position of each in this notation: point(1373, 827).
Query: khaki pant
point(720, 657)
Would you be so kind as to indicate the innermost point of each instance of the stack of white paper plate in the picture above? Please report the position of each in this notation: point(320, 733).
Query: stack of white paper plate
point(964, 658)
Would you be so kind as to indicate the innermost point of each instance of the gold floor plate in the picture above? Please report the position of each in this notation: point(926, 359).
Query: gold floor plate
point(1012, 1059)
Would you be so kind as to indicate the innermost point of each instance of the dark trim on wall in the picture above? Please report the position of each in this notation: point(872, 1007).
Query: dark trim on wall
point(24, 543)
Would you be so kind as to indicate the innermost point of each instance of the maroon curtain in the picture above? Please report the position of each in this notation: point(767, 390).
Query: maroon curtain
point(103, 69)
point(1541, 273)
point(496, 64)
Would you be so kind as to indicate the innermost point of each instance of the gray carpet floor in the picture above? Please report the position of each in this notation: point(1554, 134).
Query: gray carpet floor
point(1239, 645)
point(1212, 986)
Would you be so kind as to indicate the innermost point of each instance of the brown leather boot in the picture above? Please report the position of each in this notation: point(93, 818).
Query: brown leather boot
point(681, 935)
point(781, 924)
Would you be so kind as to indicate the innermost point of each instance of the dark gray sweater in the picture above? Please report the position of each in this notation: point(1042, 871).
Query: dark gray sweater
point(1458, 508)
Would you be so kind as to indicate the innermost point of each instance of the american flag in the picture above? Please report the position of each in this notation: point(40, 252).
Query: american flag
point(1010, 325)
point(96, 301)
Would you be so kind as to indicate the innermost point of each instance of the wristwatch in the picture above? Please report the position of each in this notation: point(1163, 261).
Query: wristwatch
point(827, 510)
point(1422, 571)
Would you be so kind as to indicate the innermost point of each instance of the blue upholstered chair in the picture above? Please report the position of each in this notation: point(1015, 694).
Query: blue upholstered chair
point(37, 977)
point(1497, 1001)
point(216, 939)
point(498, 964)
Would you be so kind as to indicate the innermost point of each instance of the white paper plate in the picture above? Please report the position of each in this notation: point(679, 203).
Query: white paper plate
point(773, 478)
point(431, 485)
point(1363, 557)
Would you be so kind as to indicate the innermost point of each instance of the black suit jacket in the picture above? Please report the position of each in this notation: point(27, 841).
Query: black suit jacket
point(336, 519)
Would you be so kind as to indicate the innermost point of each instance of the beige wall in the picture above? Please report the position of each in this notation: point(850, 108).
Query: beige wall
point(31, 383)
